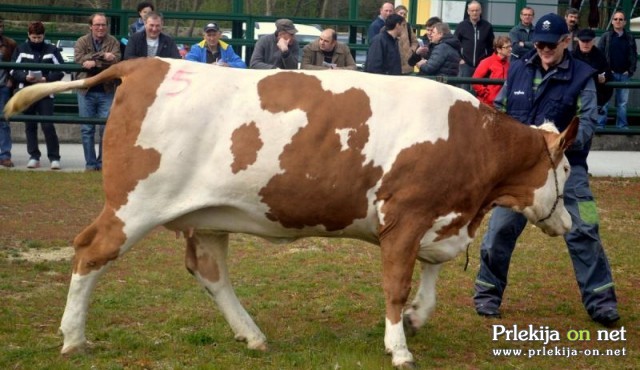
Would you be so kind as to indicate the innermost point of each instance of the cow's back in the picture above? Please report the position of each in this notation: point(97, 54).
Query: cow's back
point(303, 150)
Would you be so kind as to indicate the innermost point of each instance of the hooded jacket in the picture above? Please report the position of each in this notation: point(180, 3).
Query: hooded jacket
point(444, 59)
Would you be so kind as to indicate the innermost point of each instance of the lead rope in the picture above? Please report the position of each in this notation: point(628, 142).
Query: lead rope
point(555, 178)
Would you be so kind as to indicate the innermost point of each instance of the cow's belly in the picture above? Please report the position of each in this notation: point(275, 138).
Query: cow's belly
point(434, 248)
point(230, 219)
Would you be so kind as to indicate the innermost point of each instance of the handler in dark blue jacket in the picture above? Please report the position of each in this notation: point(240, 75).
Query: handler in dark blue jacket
point(549, 84)
point(383, 56)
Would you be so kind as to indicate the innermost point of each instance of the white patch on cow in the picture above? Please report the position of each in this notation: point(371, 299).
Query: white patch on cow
point(192, 132)
point(380, 214)
point(344, 137)
point(558, 222)
point(396, 343)
point(443, 250)
point(549, 126)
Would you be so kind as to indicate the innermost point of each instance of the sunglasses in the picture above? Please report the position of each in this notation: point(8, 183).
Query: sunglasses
point(550, 45)
point(618, 19)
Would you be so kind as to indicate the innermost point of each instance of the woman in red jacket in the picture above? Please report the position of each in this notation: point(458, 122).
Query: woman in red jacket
point(494, 66)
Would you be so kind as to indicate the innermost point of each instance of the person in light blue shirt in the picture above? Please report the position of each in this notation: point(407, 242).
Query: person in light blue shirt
point(213, 51)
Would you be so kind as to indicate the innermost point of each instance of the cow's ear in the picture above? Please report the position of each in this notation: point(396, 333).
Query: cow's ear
point(568, 136)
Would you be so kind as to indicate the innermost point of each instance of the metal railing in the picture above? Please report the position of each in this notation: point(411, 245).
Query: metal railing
point(71, 99)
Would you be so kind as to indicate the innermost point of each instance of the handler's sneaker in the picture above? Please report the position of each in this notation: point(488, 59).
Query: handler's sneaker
point(607, 317)
point(33, 163)
point(488, 311)
point(55, 165)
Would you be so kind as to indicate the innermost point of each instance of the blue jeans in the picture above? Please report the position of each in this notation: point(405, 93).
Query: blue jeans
point(590, 263)
point(95, 104)
point(466, 71)
point(622, 98)
point(5, 129)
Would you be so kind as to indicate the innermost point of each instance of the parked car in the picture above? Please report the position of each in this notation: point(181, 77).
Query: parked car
point(66, 49)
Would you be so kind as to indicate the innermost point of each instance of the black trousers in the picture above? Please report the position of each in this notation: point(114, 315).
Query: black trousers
point(43, 107)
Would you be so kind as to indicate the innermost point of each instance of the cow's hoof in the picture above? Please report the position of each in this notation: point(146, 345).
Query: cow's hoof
point(75, 349)
point(409, 329)
point(408, 365)
point(258, 346)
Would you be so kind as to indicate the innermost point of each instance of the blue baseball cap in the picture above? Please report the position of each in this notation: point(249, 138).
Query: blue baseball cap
point(550, 28)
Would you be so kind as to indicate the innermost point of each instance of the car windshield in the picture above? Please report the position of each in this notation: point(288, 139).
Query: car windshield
point(66, 43)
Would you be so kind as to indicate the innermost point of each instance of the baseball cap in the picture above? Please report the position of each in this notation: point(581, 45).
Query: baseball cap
point(211, 26)
point(550, 28)
point(286, 25)
point(586, 34)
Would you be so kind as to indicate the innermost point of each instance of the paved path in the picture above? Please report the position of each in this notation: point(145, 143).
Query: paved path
point(601, 163)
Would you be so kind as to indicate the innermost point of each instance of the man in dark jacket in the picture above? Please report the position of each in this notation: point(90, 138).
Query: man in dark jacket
point(151, 42)
point(476, 40)
point(445, 58)
point(521, 34)
point(383, 56)
point(548, 84)
point(377, 24)
point(619, 47)
point(588, 53)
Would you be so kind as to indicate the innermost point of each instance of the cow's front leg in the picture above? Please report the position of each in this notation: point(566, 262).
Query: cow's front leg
point(425, 300)
point(398, 259)
point(206, 259)
point(95, 248)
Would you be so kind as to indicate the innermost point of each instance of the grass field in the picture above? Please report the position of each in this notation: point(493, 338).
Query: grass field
point(319, 301)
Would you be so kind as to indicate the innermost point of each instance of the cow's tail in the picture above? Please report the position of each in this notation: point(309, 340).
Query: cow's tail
point(30, 94)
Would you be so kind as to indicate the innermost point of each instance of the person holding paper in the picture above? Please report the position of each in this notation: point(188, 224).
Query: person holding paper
point(36, 50)
point(327, 53)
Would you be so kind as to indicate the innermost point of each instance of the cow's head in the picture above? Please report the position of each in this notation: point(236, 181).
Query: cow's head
point(548, 211)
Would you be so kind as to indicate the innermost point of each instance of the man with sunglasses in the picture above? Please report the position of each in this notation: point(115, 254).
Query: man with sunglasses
point(619, 47)
point(548, 84)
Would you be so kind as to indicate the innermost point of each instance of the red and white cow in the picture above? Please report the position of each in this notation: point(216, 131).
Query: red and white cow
point(207, 151)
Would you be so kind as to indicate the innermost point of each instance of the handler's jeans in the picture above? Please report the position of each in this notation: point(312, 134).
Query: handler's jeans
point(583, 241)
point(94, 104)
point(43, 107)
point(5, 129)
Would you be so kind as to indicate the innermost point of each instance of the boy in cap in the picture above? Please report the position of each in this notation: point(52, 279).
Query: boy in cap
point(278, 50)
point(547, 84)
point(213, 51)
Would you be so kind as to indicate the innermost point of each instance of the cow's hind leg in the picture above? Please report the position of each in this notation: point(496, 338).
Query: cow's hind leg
point(425, 300)
point(206, 259)
point(95, 248)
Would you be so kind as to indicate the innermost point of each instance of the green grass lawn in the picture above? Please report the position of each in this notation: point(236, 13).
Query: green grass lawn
point(319, 301)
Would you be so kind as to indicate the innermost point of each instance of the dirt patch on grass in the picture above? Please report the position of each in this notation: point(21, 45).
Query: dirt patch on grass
point(43, 255)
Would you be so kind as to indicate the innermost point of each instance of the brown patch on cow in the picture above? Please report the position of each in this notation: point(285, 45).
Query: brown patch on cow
point(201, 261)
point(125, 163)
point(245, 144)
point(322, 183)
point(98, 243)
point(432, 179)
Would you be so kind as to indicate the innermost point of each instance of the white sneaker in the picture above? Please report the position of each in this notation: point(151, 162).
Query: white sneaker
point(33, 163)
point(55, 165)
